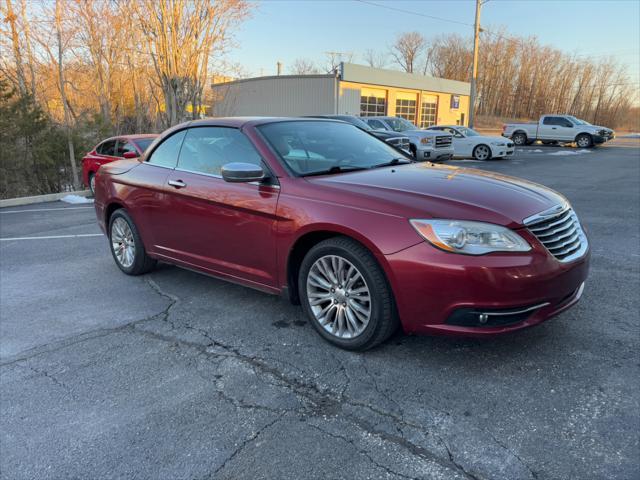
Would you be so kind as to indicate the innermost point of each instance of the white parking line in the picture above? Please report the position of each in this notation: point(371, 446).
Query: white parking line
point(52, 237)
point(43, 209)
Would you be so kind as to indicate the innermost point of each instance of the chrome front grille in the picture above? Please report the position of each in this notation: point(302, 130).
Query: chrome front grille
point(559, 230)
point(443, 141)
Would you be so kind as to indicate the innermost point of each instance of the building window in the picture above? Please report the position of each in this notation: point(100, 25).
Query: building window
point(428, 114)
point(406, 109)
point(371, 106)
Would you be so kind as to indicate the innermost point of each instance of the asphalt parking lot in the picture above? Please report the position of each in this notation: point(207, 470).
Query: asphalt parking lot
point(176, 375)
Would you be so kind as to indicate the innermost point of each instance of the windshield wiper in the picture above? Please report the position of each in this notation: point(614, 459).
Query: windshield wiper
point(334, 169)
point(395, 161)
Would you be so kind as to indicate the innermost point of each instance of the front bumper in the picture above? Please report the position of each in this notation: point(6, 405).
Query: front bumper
point(432, 154)
point(444, 293)
point(500, 151)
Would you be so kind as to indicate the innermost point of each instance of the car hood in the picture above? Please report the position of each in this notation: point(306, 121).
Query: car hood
point(425, 190)
point(494, 139)
point(383, 134)
point(422, 133)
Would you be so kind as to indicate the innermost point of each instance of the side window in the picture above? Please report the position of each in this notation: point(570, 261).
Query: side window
point(553, 121)
point(166, 154)
point(107, 148)
point(123, 147)
point(207, 149)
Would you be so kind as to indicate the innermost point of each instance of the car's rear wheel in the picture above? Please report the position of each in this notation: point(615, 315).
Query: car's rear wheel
point(584, 140)
point(482, 152)
point(92, 183)
point(346, 294)
point(126, 245)
point(519, 139)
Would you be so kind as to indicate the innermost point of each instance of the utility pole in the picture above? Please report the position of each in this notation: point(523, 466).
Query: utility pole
point(474, 72)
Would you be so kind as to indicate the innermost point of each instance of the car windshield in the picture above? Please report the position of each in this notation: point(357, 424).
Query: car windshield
point(400, 124)
point(315, 148)
point(143, 143)
point(468, 132)
point(577, 121)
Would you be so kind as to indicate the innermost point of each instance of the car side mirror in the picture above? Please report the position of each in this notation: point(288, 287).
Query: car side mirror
point(130, 155)
point(239, 172)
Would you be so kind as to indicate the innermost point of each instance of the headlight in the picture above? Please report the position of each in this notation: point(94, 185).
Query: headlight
point(472, 238)
point(426, 140)
point(499, 144)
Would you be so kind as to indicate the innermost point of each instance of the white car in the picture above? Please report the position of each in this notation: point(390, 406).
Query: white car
point(467, 143)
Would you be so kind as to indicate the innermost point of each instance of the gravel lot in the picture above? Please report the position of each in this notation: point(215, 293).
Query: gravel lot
point(177, 375)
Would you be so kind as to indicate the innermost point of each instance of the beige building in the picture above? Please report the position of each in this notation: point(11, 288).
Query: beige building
point(353, 90)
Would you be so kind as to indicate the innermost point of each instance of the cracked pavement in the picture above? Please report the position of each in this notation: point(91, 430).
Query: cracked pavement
point(177, 375)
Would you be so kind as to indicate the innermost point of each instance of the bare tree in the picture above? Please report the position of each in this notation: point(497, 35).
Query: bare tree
point(408, 49)
point(375, 59)
point(334, 59)
point(303, 66)
point(181, 38)
point(11, 18)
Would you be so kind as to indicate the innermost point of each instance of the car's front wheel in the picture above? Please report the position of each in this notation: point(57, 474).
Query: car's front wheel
point(126, 245)
point(346, 294)
point(482, 152)
point(584, 140)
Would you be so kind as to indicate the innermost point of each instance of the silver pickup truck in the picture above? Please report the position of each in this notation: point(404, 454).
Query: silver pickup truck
point(558, 129)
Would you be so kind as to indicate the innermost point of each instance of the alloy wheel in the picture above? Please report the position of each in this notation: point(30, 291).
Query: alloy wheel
point(122, 242)
point(339, 296)
point(92, 184)
point(481, 152)
point(584, 142)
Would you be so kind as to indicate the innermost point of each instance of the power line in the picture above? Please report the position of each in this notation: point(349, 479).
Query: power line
point(424, 15)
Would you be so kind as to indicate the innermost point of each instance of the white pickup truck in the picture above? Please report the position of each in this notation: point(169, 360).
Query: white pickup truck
point(558, 129)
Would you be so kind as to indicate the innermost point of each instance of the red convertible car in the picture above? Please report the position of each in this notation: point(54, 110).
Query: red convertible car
point(337, 220)
point(110, 150)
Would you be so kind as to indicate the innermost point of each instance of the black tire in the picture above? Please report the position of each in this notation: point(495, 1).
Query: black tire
point(92, 188)
point(383, 320)
point(519, 138)
point(414, 151)
point(142, 263)
point(584, 140)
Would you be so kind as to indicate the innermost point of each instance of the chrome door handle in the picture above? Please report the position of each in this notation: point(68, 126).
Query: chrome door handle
point(177, 183)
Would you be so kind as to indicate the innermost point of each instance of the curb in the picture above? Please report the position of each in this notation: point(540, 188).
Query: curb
point(51, 197)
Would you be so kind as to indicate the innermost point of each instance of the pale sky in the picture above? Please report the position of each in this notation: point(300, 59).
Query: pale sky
point(283, 30)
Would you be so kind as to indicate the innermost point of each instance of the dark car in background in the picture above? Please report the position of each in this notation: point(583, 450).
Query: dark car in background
point(112, 149)
point(364, 238)
point(392, 138)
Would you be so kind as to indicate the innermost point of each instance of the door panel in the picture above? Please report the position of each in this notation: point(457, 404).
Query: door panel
point(547, 131)
point(223, 227)
point(210, 224)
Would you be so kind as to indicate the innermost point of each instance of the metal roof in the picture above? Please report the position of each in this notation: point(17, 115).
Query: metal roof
point(350, 72)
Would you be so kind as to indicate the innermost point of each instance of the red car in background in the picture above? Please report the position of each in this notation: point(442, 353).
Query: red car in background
point(348, 226)
point(112, 149)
